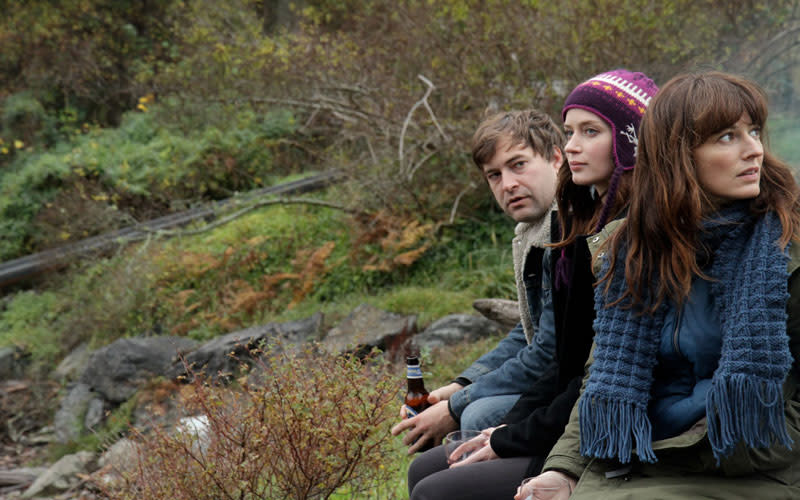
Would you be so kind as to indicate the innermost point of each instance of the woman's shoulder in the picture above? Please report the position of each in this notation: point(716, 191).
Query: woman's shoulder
point(596, 241)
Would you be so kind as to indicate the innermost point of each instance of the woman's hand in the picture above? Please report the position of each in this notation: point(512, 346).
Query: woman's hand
point(480, 447)
point(550, 485)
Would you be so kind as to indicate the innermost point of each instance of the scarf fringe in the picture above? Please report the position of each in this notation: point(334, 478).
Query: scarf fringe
point(608, 428)
point(745, 408)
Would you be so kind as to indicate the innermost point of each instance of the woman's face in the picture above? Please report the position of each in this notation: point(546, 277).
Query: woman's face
point(588, 149)
point(729, 162)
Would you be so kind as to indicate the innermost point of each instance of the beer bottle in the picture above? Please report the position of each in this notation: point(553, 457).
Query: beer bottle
point(417, 395)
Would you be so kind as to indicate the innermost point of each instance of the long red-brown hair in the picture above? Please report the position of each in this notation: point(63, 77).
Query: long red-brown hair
point(667, 204)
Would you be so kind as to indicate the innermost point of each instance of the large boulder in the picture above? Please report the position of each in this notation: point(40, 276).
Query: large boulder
point(367, 327)
point(505, 312)
point(223, 355)
point(118, 369)
point(457, 328)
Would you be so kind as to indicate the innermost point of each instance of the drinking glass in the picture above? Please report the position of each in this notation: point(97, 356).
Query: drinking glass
point(544, 492)
point(457, 438)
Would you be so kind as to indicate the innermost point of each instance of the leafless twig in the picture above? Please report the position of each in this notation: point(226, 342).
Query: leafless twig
point(464, 191)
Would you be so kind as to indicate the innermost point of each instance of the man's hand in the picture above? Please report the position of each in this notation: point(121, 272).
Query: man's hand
point(433, 423)
point(443, 393)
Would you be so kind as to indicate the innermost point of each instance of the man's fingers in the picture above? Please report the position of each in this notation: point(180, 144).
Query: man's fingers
point(411, 435)
point(403, 425)
point(421, 440)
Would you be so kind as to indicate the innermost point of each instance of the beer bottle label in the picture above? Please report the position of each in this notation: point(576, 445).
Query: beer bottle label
point(410, 412)
point(413, 371)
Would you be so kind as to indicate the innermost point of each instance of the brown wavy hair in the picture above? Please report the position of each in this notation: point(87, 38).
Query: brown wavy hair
point(529, 127)
point(667, 204)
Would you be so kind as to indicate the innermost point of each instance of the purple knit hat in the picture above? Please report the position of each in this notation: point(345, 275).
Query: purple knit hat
point(619, 97)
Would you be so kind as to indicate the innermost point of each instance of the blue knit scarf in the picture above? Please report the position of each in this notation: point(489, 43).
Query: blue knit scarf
point(745, 402)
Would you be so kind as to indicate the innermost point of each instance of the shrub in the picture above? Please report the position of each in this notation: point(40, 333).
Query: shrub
point(300, 426)
point(104, 179)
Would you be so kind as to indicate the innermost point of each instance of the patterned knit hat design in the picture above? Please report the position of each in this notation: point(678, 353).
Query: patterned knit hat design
point(619, 97)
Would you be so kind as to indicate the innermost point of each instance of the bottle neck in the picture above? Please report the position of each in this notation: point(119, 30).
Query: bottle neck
point(414, 377)
point(413, 372)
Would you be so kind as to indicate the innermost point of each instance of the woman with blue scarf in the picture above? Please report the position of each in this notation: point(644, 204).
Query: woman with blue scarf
point(692, 389)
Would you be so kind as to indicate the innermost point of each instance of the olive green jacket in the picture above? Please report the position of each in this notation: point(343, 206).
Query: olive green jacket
point(686, 467)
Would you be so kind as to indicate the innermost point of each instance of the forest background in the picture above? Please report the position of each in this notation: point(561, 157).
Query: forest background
point(113, 112)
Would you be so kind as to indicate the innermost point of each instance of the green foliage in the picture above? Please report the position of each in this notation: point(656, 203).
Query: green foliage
point(115, 176)
point(274, 264)
point(277, 437)
point(24, 118)
point(83, 54)
point(29, 320)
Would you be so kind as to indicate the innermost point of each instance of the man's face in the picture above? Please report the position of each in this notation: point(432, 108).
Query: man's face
point(522, 181)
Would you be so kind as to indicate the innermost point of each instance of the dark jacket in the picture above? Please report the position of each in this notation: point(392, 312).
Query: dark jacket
point(535, 423)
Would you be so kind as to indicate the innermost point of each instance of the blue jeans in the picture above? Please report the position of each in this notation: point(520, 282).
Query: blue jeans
point(487, 412)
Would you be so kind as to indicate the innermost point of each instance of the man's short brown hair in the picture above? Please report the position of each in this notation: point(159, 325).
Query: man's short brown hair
point(530, 127)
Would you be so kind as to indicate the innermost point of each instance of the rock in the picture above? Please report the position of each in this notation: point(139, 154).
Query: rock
point(224, 354)
point(116, 370)
point(95, 413)
point(69, 418)
point(62, 475)
point(12, 363)
point(457, 328)
point(367, 327)
point(196, 427)
point(73, 365)
point(505, 312)
point(119, 459)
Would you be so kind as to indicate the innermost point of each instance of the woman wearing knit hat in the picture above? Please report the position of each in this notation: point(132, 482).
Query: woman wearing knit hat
point(693, 387)
point(593, 186)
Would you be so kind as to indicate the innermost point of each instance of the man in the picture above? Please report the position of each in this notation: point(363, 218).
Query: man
point(519, 154)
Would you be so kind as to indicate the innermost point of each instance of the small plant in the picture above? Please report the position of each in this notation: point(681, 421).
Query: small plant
point(298, 426)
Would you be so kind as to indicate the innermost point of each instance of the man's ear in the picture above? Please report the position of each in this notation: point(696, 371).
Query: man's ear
point(558, 158)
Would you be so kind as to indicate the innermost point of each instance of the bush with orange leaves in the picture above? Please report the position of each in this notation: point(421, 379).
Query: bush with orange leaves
point(299, 426)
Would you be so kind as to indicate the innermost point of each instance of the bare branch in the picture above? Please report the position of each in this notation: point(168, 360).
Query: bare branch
point(410, 114)
point(464, 191)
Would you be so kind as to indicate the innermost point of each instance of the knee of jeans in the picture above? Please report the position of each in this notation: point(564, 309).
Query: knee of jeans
point(476, 417)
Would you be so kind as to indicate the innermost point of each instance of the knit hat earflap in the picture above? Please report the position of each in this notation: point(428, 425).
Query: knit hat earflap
point(619, 97)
